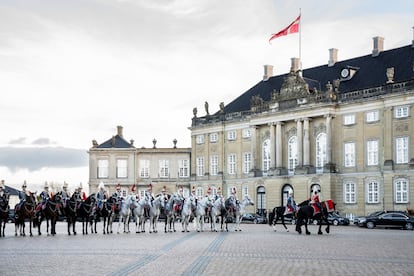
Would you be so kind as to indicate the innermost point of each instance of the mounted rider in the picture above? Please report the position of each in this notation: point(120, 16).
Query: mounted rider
point(22, 197)
point(81, 193)
point(65, 194)
point(45, 195)
point(3, 192)
point(315, 202)
point(101, 195)
point(291, 206)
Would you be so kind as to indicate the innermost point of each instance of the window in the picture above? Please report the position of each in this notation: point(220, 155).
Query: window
point(103, 168)
point(214, 164)
point(247, 162)
point(245, 191)
point(372, 192)
point(200, 166)
point(144, 167)
point(401, 150)
point(164, 168)
point(401, 190)
point(213, 137)
point(184, 168)
point(232, 163)
point(372, 116)
point(349, 192)
point(372, 153)
point(231, 135)
point(292, 154)
point(200, 139)
point(349, 119)
point(320, 151)
point(401, 112)
point(199, 192)
point(266, 161)
point(349, 153)
point(121, 168)
point(247, 133)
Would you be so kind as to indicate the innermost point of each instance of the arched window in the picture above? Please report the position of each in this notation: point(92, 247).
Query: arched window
point(320, 151)
point(292, 154)
point(261, 200)
point(266, 156)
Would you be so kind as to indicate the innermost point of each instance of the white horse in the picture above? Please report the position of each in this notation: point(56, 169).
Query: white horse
point(138, 212)
point(201, 212)
point(186, 213)
point(154, 212)
point(125, 212)
point(217, 210)
point(171, 210)
point(241, 210)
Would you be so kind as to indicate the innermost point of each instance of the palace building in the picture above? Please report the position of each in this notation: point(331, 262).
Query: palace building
point(345, 129)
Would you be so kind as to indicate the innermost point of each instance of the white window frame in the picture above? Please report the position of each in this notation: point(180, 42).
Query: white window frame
point(214, 165)
point(245, 191)
point(372, 152)
point(349, 154)
point(401, 190)
point(372, 116)
point(144, 168)
point(200, 166)
point(199, 192)
point(373, 191)
point(122, 168)
point(103, 168)
point(401, 111)
point(401, 150)
point(232, 163)
point(266, 155)
point(246, 133)
point(292, 154)
point(320, 151)
point(349, 119)
point(200, 139)
point(247, 162)
point(184, 169)
point(231, 135)
point(349, 192)
point(213, 137)
point(164, 169)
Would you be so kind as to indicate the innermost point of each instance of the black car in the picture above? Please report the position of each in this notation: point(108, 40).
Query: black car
point(360, 221)
point(254, 218)
point(335, 219)
point(388, 220)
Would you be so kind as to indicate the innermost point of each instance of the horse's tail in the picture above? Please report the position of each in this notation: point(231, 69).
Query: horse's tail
point(271, 216)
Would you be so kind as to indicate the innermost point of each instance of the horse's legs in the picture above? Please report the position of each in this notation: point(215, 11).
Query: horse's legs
point(283, 223)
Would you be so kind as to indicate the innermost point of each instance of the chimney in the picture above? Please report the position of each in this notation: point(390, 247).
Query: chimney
point(295, 64)
point(268, 72)
point(333, 57)
point(120, 131)
point(378, 46)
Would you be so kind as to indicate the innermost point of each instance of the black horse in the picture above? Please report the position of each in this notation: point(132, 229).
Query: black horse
point(4, 212)
point(104, 212)
point(23, 212)
point(279, 213)
point(229, 212)
point(306, 212)
point(69, 210)
point(49, 212)
point(84, 212)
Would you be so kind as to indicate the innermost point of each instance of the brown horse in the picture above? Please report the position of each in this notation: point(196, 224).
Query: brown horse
point(49, 212)
point(4, 213)
point(23, 212)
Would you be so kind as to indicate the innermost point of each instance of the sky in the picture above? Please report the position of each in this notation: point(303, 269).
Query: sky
point(72, 71)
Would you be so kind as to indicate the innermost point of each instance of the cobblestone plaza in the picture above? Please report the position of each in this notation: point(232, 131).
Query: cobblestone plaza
point(257, 250)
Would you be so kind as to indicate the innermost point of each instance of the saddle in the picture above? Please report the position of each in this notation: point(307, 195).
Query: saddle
point(316, 209)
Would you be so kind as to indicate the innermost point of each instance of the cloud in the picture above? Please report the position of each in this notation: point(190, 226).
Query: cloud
point(18, 141)
point(43, 141)
point(34, 159)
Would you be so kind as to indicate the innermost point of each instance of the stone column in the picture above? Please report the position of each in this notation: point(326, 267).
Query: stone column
point(272, 146)
point(328, 139)
point(279, 145)
point(306, 143)
point(300, 142)
point(254, 147)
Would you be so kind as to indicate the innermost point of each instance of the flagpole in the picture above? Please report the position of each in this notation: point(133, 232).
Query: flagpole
point(300, 42)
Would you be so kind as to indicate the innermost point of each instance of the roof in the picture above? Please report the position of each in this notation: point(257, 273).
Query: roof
point(370, 71)
point(11, 190)
point(115, 142)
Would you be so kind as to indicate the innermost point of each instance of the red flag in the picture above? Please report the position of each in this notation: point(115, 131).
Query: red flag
point(291, 29)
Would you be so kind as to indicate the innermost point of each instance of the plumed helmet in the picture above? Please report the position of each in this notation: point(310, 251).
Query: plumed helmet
point(209, 190)
point(46, 186)
point(65, 185)
point(193, 190)
point(101, 185)
point(24, 184)
point(163, 189)
point(133, 188)
point(219, 190)
point(118, 187)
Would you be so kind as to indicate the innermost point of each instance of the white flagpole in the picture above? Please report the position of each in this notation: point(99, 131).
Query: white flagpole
point(300, 42)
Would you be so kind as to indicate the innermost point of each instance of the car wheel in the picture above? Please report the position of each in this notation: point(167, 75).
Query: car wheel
point(370, 225)
point(335, 222)
point(315, 222)
point(409, 226)
point(255, 221)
